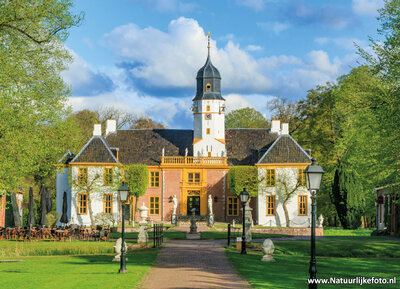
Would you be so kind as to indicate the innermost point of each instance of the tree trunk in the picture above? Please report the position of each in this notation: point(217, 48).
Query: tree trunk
point(134, 212)
point(286, 212)
point(90, 211)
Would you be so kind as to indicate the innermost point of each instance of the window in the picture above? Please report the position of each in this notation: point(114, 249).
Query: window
point(154, 179)
point(270, 177)
point(208, 87)
point(107, 203)
point(108, 176)
point(271, 205)
point(301, 177)
point(82, 204)
point(208, 131)
point(233, 206)
point(194, 178)
point(208, 108)
point(82, 176)
point(302, 205)
point(154, 205)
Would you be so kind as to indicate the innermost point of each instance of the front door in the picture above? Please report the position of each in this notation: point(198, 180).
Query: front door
point(193, 202)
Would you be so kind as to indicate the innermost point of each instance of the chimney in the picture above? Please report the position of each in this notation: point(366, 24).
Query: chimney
point(285, 128)
point(97, 129)
point(276, 126)
point(111, 126)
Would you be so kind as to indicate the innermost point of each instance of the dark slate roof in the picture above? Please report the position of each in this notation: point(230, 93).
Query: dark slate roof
point(246, 146)
point(95, 151)
point(208, 74)
point(145, 145)
point(285, 150)
point(208, 70)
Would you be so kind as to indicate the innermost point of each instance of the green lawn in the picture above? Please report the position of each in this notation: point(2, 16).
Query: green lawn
point(333, 231)
point(11, 249)
point(370, 257)
point(86, 271)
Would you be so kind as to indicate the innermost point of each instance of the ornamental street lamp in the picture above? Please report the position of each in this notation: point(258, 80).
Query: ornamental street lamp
point(123, 193)
point(314, 174)
point(244, 197)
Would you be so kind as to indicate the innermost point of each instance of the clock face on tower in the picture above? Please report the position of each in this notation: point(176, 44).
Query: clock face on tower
point(207, 116)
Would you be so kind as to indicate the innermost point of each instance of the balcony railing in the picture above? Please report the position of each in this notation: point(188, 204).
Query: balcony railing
point(194, 161)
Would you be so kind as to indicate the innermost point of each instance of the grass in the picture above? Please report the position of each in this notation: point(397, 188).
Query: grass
point(292, 271)
point(12, 249)
point(336, 231)
point(347, 257)
point(88, 271)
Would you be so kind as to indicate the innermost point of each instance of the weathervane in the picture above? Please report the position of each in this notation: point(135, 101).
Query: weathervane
point(208, 46)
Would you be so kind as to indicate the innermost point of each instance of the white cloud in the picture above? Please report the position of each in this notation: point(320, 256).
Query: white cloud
point(253, 48)
point(84, 79)
point(367, 7)
point(184, 45)
point(320, 60)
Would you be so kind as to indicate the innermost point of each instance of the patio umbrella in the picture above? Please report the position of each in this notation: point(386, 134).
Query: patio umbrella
point(43, 205)
point(49, 205)
point(64, 216)
point(31, 217)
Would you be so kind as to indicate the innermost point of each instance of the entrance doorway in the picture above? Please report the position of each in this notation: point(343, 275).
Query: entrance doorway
point(193, 202)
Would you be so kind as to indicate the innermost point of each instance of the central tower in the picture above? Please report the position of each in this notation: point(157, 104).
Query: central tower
point(208, 112)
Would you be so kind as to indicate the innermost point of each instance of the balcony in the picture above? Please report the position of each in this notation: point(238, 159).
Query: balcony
point(194, 161)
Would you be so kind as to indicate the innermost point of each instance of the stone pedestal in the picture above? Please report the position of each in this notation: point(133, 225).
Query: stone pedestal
point(117, 249)
point(247, 231)
point(210, 219)
point(268, 249)
point(143, 237)
point(174, 220)
point(193, 235)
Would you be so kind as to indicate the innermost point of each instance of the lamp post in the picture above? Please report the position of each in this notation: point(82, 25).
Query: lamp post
point(244, 197)
point(123, 193)
point(313, 174)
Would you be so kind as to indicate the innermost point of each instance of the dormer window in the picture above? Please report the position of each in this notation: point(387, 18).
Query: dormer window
point(208, 87)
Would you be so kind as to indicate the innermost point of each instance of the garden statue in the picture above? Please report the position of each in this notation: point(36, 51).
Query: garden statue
point(117, 248)
point(210, 209)
point(320, 221)
point(268, 249)
point(175, 202)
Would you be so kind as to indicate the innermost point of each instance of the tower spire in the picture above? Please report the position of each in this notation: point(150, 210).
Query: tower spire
point(208, 46)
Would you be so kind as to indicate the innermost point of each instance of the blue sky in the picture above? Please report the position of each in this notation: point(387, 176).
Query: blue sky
point(142, 55)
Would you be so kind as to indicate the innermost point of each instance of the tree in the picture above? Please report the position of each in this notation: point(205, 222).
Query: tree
point(32, 91)
point(245, 118)
point(347, 198)
point(137, 177)
point(384, 62)
point(90, 186)
point(243, 177)
point(84, 120)
point(144, 122)
point(286, 112)
point(287, 184)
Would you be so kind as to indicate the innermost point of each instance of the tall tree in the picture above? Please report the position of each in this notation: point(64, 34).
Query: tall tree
point(245, 118)
point(386, 106)
point(137, 176)
point(32, 92)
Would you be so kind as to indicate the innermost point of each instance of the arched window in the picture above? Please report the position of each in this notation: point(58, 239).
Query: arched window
point(208, 87)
